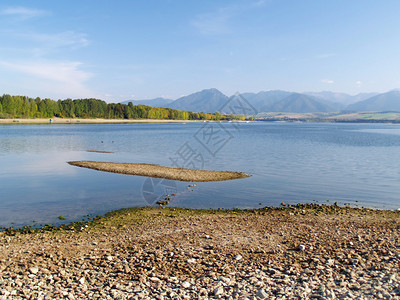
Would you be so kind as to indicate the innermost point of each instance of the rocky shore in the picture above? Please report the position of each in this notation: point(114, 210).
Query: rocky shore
point(296, 252)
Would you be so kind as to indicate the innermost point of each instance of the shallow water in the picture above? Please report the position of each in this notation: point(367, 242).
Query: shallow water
point(358, 164)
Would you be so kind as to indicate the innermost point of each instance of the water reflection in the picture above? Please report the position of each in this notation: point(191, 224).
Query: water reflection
point(291, 163)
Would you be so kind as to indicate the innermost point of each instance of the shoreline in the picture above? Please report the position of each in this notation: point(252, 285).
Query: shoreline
point(298, 251)
point(104, 121)
point(88, 121)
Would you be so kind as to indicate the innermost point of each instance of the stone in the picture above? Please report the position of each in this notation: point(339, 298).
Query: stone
point(34, 270)
point(261, 294)
point(238, 257)
point(302, 247)
point(218, 291)
point(186, 285)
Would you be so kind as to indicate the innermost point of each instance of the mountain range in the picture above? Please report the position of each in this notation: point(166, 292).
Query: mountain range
point(212, 100)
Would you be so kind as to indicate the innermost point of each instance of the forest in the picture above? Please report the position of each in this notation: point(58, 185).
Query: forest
point(29, 108)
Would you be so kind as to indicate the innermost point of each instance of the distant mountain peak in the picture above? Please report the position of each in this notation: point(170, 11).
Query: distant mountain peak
point(207, 100)
point(212, 100)
point(300, 103)
point(156, 102)
point(389, 101)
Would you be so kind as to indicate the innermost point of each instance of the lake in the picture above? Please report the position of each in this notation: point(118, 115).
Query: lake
point(352, 164)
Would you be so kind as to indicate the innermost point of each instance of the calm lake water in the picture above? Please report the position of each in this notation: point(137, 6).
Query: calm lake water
point(356, 164)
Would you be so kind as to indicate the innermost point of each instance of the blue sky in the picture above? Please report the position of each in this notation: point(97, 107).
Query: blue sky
point(119, 50)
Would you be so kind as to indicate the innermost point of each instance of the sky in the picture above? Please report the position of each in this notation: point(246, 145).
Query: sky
point(120, 50)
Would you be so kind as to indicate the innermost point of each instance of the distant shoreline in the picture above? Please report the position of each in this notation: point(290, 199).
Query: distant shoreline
point(339, 117)
point(88, 121)
point(102, 121)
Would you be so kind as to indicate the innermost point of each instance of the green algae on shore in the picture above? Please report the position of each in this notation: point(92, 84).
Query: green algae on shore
point(152, 170)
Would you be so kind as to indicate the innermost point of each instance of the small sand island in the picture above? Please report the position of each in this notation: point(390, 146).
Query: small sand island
point(152, 170)
point(99, 151)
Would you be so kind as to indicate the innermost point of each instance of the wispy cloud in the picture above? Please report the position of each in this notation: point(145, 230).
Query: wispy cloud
point(220, 21)
point(23, 12)
point(325, 55)
point(65, 76)
point(328, 81)
point(259, 3)
point(358, 83)
point(29, 66)
point(214, 23)
point(62, 39)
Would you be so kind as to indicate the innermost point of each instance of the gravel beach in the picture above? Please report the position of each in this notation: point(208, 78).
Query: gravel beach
point(293, 252)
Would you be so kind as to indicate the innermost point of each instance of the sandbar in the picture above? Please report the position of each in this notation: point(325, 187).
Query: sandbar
point(152, 170)
point(99, 151)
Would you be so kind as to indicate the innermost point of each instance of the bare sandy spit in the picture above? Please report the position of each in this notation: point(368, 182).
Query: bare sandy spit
point(99, 151)
point(298, 252)
point(87, 121)
point(151, 170)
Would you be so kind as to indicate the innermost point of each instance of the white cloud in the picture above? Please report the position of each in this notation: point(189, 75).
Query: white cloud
point(43, 42)
point(259, 3)
point(328, 81)
point(359, 83)
point(64, 72)
point(23, 12)
point(57, 78)
point(325, 55)
point(214, 23)
point(63, 39)
point(221, 20)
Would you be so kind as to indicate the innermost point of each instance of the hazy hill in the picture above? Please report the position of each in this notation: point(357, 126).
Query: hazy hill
point(389, 101)
point(210, 100)
point(364, 96)
point(300, 103)
point(339, 101)
point(156, 102)
point(341, 98)
point(262, 101)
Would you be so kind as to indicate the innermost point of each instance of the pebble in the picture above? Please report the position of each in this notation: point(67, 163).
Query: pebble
point(261, 294)
point(218, 291)
point(155, 279)
point(149, 261)
point(186, 284)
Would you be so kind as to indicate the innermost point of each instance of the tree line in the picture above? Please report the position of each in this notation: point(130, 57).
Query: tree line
point(25, 107)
